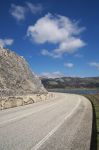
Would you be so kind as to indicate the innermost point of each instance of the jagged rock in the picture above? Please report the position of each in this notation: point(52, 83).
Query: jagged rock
point(14, 101)
point(16, 79)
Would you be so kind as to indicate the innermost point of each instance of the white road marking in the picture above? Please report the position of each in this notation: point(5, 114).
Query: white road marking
point(39, 144)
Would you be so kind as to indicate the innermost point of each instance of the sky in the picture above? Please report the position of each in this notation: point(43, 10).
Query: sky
point(56, 37)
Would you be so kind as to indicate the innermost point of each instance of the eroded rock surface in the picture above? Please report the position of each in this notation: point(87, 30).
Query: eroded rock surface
point(16, 79)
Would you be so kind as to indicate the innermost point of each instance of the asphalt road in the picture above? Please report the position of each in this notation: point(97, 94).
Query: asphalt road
point(60, 124)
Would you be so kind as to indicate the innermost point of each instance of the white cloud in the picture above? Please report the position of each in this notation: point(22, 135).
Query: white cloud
point(5, 42)
point(45, 52)
point(18, 12)
point(78, 55)
point(58, 30)
point(69, 46)
point(37, 8)
point(56, 74)
point(69, 65)
point(94, 64)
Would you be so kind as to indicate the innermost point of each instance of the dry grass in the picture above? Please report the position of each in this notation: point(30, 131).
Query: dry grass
point(95, 102)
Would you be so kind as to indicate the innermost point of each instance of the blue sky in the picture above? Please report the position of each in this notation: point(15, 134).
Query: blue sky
point(56, 37)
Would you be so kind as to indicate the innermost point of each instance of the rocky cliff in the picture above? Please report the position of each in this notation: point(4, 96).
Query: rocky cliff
point(18, 84)
point(16, 79)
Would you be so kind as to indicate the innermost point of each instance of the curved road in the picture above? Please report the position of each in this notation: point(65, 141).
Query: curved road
point(60, 124)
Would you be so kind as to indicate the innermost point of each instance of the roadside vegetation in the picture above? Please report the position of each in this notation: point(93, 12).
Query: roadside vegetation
point(95, 135)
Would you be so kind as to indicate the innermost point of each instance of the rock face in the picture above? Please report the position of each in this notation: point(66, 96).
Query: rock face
point(16, 79)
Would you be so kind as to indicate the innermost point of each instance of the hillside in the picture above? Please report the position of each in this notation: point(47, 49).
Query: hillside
point(18, 84)
point(71, 82)
point(15, 76)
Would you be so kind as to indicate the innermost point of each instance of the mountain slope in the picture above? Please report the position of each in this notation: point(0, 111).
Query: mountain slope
point(15, 76)
point(71, 82)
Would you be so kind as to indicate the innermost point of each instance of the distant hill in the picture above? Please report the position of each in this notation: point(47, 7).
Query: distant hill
point(15, 76)
point(71, 82)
